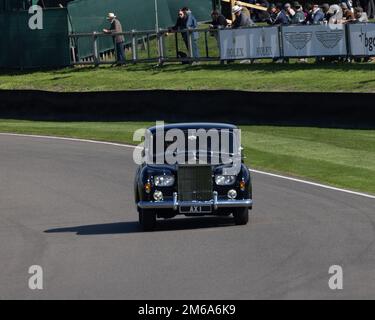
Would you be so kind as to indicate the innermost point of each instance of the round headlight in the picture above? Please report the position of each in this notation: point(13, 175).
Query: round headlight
point(164, 181)
point(158, 195)
point(222, 180)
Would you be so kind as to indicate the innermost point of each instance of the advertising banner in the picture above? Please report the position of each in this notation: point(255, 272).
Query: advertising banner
point(314, 40)
point(362, 39)
point(251, 43)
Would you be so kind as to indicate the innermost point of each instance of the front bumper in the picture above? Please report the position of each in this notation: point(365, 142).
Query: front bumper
point(215, 203)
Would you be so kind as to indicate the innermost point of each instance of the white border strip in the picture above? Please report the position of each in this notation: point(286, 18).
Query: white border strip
point(252, 170)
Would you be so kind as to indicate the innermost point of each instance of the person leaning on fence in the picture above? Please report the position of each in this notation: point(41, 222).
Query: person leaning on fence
point(360, 16)
point(218, 22)
point(241, 19)
point(347, 14)
point(299, 16)
point(277, 15)
point(244, 10)
point(289, 11)
point(118, 39)
point(192, 24)
point(316, 15)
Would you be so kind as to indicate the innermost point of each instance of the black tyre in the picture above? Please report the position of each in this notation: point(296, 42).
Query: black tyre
point(241, 216)
point(147, 220)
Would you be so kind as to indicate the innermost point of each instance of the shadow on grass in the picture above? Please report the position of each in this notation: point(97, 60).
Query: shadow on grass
point(134, 227)
point(176, 67)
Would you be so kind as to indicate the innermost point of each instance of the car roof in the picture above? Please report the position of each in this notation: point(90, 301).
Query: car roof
point(195, 125)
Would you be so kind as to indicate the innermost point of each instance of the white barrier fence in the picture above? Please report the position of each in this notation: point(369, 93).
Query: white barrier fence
point(297, 41)
point(249, 43)
point(362, 39)
point(314, 40)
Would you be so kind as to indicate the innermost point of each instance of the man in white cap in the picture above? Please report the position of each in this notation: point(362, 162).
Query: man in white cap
point(118, 39)
point(241, 20)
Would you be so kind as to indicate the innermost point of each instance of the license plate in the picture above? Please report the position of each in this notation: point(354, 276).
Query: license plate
point(196, 209)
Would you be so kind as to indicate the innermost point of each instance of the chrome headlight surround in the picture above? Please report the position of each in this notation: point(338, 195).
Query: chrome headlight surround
point(164, 180)
point(225, 180)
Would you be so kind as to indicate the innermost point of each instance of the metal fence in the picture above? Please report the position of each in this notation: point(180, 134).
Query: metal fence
point(294, 41)
point(148, 46)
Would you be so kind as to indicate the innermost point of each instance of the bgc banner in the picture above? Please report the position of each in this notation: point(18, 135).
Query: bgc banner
point(252, 43)
point(362, 39)
point(314, 40)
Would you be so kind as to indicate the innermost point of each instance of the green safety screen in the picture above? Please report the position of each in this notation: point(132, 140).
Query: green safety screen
point(21, 47)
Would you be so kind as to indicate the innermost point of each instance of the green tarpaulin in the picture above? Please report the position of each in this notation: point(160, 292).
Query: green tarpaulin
point(21, 47)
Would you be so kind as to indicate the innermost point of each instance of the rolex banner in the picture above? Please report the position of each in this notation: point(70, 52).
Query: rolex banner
point(362, 39)
point(314, 40)
point(252, 43)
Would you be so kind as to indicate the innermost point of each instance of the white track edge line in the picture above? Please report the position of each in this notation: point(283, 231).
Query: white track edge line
point(252, 170)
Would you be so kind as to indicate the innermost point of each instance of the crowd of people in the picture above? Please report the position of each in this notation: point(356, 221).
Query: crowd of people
point(346, 11)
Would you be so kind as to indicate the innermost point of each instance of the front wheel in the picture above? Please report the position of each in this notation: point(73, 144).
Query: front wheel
point(241, 216)
point(147, 220)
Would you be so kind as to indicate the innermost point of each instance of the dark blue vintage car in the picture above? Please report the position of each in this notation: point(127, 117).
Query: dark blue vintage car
point(199, 181)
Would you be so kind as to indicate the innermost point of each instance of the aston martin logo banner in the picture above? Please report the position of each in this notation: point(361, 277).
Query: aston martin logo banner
point(253, 43)
point(314, 40)
point(362, 39)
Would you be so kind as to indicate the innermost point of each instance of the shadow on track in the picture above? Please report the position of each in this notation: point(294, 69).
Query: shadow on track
point(133, 226)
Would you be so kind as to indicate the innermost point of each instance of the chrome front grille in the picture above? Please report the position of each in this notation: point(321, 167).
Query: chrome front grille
point(194, 182)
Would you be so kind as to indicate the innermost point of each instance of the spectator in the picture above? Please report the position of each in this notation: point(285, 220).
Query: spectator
point(241, 20)
point(259, 15)
point(118, 39)
point(359, 15)
point(191, 24)
point(289, 11)
point(218, 22)
point(347, 14)
point(335, 13)
point(325, 9)
point(181, 25)
point(277, 15)
point(316, 15)
point(245, 10)
point(299, 16)
point(186, 20)
point(348, 3)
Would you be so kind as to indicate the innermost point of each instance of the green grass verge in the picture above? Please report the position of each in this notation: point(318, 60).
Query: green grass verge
point(339, 157)
point(257, 77)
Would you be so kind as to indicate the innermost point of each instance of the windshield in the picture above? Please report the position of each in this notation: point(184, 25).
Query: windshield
point(212, 146)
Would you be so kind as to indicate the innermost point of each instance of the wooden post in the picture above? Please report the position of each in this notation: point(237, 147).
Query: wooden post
point(231, 7)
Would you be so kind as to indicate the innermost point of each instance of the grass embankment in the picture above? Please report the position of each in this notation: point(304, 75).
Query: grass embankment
point(339, 157)
point(257, 77)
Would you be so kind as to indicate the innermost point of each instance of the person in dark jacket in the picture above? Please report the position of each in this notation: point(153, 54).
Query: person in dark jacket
point(118, 39)
point(299, 16)
point(316, 15)
point(241, 20)
point(181, 25)
point(218, 22)
point(186, 21)
point(278, 15)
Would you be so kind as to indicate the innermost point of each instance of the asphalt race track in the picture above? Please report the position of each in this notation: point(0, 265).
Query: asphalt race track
point(68, 207)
